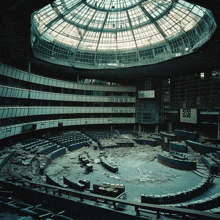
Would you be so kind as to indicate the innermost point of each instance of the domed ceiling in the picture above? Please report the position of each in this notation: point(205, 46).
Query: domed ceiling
point(108, 34)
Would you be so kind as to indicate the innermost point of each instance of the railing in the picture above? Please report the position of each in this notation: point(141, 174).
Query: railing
point(32, 78)
point(14, 92)
point(138, 207)
point(11, 130)
point(20, 111)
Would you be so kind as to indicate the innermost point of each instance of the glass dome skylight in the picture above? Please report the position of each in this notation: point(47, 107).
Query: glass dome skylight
point(96, 34)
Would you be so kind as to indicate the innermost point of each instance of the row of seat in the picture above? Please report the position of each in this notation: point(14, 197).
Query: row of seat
point(100, 135)
point(176, 163)
point(36, 146)
point(178, 155)
point(24, 209)
point(47, 149)
point(178, 146)
point(213, 167)
point(32, 142)
point(202, 204)
point(201, 148)
point(27, 141)
point(68, 139)
point(186, 134)
point(172, 198)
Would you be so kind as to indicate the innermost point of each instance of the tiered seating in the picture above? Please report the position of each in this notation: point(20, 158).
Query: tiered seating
point(48, 148)
point(178, 155)
point(212, 165)
point(33, 143)
point(202, 204)
point(72, 140)
point(24, 209)
point(186, 134)
point(27, 141)
point(201, 148)
point(171, 136)
point(172, 198)
point(98, 135)
point(178, 146)
point(176, 163)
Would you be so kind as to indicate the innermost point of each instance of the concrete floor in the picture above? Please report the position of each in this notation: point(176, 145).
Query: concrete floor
point(139, 171)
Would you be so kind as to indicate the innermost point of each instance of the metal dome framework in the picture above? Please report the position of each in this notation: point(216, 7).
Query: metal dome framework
point(98, 34)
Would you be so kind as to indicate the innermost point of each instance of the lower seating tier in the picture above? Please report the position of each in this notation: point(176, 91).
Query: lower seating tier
point(172, 198)
point(175, 163)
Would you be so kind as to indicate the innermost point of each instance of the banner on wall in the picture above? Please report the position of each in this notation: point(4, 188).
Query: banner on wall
point(188, 115)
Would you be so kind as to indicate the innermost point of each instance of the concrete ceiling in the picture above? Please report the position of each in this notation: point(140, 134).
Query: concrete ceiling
point(15, 49)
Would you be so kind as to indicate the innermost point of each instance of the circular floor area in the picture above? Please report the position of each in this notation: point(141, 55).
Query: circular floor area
point(139, 171)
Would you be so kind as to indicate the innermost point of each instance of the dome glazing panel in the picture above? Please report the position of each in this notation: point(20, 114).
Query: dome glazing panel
point(118, 33)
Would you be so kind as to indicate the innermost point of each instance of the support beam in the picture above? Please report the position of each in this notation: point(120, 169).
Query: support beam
point(106, 16)
point(169, 126)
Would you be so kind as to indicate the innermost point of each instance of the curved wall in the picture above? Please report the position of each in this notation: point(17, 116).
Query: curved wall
point(30, 102)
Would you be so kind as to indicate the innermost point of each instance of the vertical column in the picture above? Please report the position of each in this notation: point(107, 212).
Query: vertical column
point(157, 129)
point(169, 127)
point(139, 127)
point(219, 131)
point(29, 67)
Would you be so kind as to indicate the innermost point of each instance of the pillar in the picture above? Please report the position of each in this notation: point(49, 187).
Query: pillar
point(219, 131)
point(169, 126)
point(139, 127)
point(156, 129)
point(29, 67)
